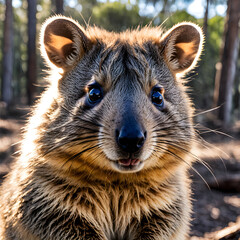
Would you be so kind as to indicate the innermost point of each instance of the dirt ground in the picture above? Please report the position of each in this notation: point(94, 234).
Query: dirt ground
point(216, 202)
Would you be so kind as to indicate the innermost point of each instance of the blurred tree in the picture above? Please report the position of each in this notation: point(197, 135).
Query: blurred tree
point(20, 53)
point(206, 13)
point(179, 16)
point(2, 15)
point(82, 10)
point(202, 77)
point(31, 50)
point(45, 9)
point(205, 19)
point(59, 4)
point(87, 8)
point(165, 6)
point(116, 16)
point(229, 61)
point(236, 89)
point(7, 62)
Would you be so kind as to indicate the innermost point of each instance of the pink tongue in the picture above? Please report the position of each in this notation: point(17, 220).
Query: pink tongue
point(129, 162)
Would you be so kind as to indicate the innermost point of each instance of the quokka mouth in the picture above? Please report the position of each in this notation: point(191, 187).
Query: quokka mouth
point(128, 165)
point(129, 162)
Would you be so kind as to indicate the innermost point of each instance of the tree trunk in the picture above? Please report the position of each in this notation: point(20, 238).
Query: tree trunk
point(229, 61)
point(31, 51)
point(164, 8)
point(218, 66)
point(205, 21)
point(59, 6)
point(7, 54)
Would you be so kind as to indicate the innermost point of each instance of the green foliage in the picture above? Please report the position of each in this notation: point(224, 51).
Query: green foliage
point(203, 85)
point(20, 52)
point(179, 16)
point(81, 11)
point(116, 16)
point(165, 5)
point(216, 28)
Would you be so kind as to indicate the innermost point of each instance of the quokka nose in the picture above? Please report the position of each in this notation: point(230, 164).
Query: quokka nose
point(130, 139)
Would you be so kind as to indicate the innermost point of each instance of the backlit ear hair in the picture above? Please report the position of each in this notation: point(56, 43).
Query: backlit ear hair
point(63, 42)
point(182, 46)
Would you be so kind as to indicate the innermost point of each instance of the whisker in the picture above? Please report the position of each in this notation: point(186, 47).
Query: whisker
point(198, 139)
point(72, 140)
point(181, 159)
point(83, 120)
point(206, 165)
point(182, 119)
point(79, 154)
point(206, 111)
point(98, 156)
point(89, 122)
point(208, 146)
point(165, 120)
point(216, 131)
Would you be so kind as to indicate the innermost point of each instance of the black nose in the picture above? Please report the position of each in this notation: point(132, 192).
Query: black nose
point(130, 138)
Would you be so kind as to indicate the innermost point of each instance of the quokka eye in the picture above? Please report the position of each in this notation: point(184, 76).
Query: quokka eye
point(95, 94)
point(157, 97)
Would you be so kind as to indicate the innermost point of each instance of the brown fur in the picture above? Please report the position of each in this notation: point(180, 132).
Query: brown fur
point(66, 185)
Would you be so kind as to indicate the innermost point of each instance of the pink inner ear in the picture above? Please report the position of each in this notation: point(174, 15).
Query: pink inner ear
point(62, 46)
point(62, 42)
point(59, 41)
point(185, 53)
point(187, 47)
point(184, 42)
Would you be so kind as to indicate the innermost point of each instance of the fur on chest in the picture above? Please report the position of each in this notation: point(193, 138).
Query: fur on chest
point(116, 211)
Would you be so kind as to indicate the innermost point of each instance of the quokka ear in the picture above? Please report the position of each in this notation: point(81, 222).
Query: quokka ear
point(63, 42)
point(182, 46)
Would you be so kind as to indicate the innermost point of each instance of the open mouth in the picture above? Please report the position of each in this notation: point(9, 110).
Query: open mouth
point(128, 164)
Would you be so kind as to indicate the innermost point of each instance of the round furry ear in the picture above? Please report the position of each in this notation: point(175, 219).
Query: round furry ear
point(182, 46)
point(63, 42)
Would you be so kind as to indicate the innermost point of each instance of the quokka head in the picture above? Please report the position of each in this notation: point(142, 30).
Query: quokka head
point(120, 104)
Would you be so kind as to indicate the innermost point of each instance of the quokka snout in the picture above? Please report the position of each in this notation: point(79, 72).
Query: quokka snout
point(106, 151)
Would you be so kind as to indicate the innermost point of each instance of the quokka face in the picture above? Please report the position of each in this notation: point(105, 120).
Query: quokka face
point(119, 105)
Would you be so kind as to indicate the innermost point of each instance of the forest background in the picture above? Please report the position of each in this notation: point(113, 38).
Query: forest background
point(214, 86)
point(216, 81)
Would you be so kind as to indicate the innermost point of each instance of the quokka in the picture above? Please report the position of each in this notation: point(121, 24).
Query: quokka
point(106, 151)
